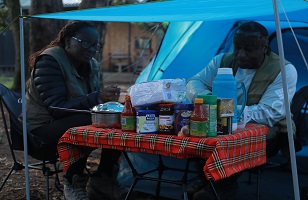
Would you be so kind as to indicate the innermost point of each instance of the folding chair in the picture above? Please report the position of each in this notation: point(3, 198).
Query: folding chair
point(11, 101)
point(298, 109)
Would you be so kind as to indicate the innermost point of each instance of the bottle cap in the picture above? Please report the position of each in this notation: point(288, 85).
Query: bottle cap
point(127, 97)
point(224, 71)
point(208, 99)
point(198, 100)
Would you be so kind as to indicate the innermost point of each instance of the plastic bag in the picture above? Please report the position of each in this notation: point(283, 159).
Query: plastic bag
point(159, 91)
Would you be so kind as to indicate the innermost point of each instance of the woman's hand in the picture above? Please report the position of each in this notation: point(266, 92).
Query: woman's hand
point(110, 93)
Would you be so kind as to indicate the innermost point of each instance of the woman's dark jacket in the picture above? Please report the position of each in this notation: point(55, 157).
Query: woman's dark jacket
point(55, 82)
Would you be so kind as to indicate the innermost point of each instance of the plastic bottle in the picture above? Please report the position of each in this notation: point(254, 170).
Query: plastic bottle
point(198, 119)
point(210, 103)
point(225, 86)
point(128, 115)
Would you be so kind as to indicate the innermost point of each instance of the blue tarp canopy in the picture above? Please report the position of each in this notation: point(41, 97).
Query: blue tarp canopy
point(188, 10)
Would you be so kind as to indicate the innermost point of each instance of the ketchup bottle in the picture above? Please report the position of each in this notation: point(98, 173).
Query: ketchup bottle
point(128, 115)
point(198, 119)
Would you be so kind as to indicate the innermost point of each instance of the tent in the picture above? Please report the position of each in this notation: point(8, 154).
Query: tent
point(187, 16)
point(188, 47)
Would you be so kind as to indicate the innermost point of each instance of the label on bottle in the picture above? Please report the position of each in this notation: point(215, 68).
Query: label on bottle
point(212, 121)
point(224, 126)
point(166, 123)
point(198, 128)
point(128, 123)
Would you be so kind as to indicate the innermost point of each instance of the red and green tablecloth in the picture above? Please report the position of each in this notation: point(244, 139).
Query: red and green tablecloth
point(225, 154)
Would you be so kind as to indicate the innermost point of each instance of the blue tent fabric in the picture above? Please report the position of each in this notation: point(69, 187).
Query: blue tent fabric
point(186, 54)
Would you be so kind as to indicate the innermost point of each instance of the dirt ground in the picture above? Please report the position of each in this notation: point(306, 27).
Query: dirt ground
point(15, 187)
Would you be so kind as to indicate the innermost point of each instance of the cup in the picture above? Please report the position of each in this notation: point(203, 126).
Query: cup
point(244, 117)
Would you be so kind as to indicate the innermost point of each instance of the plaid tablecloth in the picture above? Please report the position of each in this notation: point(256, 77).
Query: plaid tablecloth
point(225, 155)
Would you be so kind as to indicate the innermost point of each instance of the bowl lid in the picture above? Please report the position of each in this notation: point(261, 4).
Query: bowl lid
point(109, 107)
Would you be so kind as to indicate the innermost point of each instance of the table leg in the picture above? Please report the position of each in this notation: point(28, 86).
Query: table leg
point(135, 174)
point(161, 168)
point(213, 188)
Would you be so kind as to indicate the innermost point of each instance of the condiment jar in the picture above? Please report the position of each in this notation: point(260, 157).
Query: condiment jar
point(166, 118)
point(198, 119)
point(128, 115)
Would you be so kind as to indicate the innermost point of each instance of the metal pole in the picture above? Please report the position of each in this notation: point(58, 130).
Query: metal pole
point(286, 103)
point(23, 95)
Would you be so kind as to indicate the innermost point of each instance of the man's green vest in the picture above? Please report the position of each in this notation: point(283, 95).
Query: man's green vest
point(264, 76)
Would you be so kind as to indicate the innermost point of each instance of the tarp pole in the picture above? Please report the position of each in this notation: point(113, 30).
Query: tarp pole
point(286, 102)
point(23, 97)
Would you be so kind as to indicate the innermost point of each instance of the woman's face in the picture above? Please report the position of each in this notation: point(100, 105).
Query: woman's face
point(82, 47)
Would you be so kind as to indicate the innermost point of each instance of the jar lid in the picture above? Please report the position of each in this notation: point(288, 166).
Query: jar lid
point(224, 71)
point(183, 106)
point(166, 104)
point(198, 100)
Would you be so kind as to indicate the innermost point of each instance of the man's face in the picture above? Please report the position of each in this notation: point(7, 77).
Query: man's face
point(249, 50)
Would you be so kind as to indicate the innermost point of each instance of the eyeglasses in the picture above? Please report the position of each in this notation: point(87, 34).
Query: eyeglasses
point(87, 45)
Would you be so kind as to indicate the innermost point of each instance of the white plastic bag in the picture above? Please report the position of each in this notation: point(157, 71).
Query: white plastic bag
point(159, 91)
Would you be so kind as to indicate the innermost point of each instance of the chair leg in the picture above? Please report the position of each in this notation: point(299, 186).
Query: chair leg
point(15, 167)
point(46, 172)
point(57, 180)
point(6, 178)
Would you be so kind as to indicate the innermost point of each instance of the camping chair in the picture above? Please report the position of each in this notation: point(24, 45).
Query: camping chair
point(299, 113)
point(11, 101)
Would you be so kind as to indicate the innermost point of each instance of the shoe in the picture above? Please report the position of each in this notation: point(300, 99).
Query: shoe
point(102, 186)
point(77, 189)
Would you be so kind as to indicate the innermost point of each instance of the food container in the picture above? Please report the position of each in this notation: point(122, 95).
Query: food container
point(107, 115)
point(182, 114)
point(147, 121)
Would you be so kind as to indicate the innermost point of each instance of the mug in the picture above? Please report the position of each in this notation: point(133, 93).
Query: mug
point(244, 117)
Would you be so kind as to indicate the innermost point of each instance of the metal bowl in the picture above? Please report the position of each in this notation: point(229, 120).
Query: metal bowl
point(107, 115)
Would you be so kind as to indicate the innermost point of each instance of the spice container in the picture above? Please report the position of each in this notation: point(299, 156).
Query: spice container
point(198, 119)
point(166, 118)
point(225, 112)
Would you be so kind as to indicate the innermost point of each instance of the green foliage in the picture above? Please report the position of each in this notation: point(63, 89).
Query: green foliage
point(147, 25)
point(3, 18)
point(7, 81)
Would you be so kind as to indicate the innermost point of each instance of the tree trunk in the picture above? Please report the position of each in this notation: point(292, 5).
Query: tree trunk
point(43, 31)
point(13, 7)
point(101, 26)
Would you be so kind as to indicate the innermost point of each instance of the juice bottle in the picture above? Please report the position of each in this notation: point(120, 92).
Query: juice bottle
point(128, 115)
point(198, 119)
point(210, 103)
